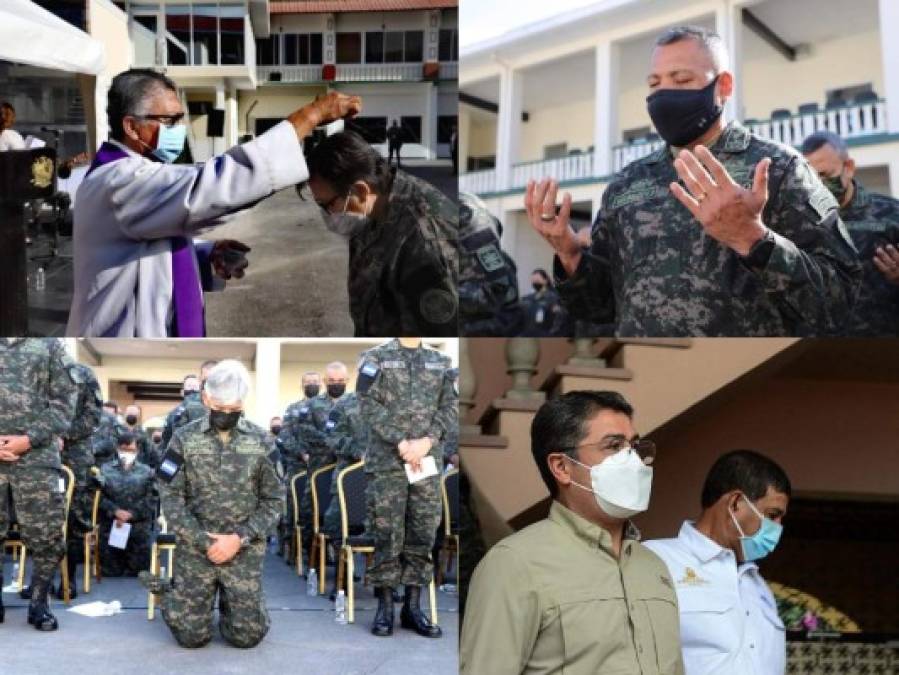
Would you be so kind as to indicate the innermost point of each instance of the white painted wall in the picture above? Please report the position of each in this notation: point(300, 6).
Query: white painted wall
point(571, 123)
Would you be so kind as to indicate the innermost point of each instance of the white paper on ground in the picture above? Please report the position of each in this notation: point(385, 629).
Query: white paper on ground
point(428, 469)
point(98, 608)
point(118, 536)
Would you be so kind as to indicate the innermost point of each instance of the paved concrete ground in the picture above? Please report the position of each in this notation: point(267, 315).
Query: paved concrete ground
point(295, 285)
point(303, 638)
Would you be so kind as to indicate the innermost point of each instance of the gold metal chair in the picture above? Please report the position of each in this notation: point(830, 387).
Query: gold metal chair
point(353, 482)
point(92, 542)
point(164, 541)
point(17, 548)
point(63, 564)
point(450, 516)
point(319, 538)
point(297, 527)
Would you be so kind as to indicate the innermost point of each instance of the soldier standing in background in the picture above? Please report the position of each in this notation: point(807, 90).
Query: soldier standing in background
point(191, 408)
point(222, 495)
point(105, 438)
point(37, 404)
point(408, 403)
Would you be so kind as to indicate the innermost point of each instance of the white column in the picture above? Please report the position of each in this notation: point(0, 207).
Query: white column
point(268, 379)
point(231, 118)
point(216, 142)
point(729, 24)
point(330, 46)
point(605, 107)
point(893, 168)
point(464, 131)
point(508, 127)
point(429, 121)
point(889, 49)
point(101, 123)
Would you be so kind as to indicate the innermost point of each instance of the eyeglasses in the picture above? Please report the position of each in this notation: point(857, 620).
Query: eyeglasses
point(167, 120)
point(645, 449)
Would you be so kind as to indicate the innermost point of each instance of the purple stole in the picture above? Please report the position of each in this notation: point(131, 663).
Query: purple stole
point(186, 293)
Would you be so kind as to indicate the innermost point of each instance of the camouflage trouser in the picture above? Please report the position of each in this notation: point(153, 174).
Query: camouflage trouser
point(40, 510)
point(331, 525)
point(116, 562)
point(80, 459)
point(403, 520)
point(188, 607)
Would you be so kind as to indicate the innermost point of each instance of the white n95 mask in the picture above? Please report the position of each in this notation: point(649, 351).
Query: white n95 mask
point(621, 484)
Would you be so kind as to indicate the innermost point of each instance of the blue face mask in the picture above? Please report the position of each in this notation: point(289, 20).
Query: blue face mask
point(170, 143)
point(763, 541)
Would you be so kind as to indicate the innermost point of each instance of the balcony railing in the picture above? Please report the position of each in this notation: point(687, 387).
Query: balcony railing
point(571, 167)
point(852, 121)
point(449, 70)
point(290, 73)
point(478, 182)
point(379, 72)
point(622, 155)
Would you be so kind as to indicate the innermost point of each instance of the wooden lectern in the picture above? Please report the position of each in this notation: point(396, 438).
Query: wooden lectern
point(24, 175)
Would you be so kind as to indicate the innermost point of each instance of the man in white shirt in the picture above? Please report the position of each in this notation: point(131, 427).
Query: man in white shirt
point(728, 617)
point(9, 139)
point(138, 271)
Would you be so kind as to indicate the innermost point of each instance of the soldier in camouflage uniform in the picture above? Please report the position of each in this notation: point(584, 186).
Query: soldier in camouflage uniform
point(105, 439)
point(37, 405)
point(222, 494)
point(78, 455)
point(488, 287)
point(146, 451)
point(749, 243)
point(408, 403)
point(402, 231)
point(190, 409)
point(128, 496)
point(873, 223)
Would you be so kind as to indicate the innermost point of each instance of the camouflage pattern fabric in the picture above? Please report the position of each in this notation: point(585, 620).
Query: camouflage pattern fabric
point(488, 286)
point(131, 490)
point(78, 454)
point(653, 271)
point(404, 270)
point(190, 409)
point(348, 440)
point(873, 220)
point(230, 487)
point(38, 399)
point(146, 451)
point(105, 439)
point(404, 394)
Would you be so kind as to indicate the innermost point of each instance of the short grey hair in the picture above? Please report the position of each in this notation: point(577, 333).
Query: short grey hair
point(820, 138)
point(336, 365)
point(708, 39)
point(228, 382)
point(129, 94)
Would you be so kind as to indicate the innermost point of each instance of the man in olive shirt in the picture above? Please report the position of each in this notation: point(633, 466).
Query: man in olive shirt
point(577, 592)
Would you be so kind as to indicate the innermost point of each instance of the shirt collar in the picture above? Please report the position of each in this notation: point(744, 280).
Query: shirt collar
point(590, 533)
point(124, 147)
point(705, 549)
point(734, 138)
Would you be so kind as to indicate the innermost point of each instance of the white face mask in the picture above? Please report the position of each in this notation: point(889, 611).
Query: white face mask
point(127, 458)
point(621, 484)
point(347, 224)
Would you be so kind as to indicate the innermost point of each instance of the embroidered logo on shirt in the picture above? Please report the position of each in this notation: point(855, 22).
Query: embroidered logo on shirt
point(691, 578)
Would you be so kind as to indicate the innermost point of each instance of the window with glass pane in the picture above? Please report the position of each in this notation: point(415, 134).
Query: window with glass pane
point(232, 35)
point(372, 129)
point(411, 129)
point(315, 48)
point(349, 47)
point(143, 36)
point(267, 51)
point(303, 49)
point(291, 55)
point(415, 47)
point(374, 47)
point(205, 23)
point(393, 47)
point(445, 126)
point(449, 45)
point(177, 39)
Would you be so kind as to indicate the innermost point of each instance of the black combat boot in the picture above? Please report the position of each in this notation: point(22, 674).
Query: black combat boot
point(39, 614)
point(412, 617)
point(383, 624)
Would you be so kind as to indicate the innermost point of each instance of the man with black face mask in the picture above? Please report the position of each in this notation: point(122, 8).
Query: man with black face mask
point(718, 233)
point(543, 312)
point(191, 408)
point(873, 222)
point(222, 495)
point(146, 452)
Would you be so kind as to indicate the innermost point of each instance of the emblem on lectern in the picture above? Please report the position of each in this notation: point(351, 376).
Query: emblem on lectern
point(42, 172)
